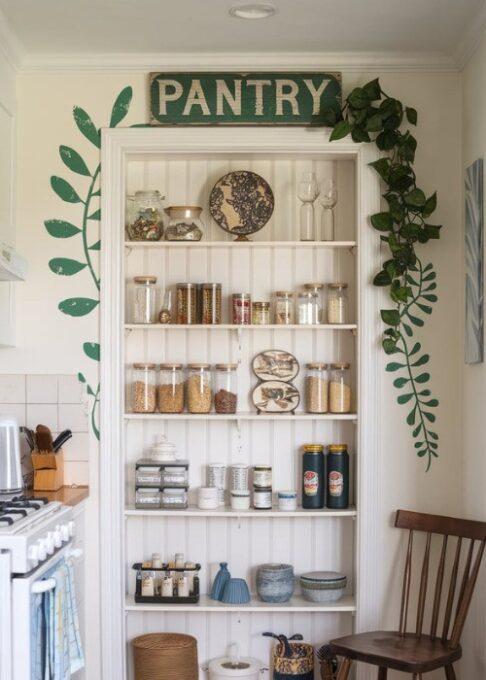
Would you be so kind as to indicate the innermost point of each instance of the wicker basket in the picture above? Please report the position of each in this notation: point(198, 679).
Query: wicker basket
point(298, 666)
point(165, 656)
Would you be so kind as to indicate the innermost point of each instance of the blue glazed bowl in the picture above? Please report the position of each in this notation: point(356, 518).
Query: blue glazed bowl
point(275, 582)
point(236, 592)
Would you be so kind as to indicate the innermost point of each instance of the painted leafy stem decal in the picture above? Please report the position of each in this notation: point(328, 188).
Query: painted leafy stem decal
point(87, 231)
point(370, 115)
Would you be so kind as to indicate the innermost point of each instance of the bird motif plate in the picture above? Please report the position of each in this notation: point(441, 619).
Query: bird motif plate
point(275, 396)
point(275, 364)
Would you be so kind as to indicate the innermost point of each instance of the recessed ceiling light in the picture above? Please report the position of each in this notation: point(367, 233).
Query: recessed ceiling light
point(253, 11)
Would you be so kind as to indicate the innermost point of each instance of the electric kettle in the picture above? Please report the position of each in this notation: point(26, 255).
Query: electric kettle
point(10, 471)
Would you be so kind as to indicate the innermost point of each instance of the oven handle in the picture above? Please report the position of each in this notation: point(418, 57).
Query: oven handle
point(50, 583)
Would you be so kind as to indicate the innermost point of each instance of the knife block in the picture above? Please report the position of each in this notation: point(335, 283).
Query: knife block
point(48, 470)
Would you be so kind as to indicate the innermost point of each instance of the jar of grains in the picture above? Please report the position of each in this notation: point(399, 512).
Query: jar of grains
point(307, 308)
point(199, 391)
point(225, 390)
point(284, 307)
point(316, 288)
point(186, 294)
point(316, 388)
point(260, 313)
point(143, 388)
point(171, 388)
point(337, 304)
point(143, 300)
point(211, 303)
point(241, 309)
point(339, 389)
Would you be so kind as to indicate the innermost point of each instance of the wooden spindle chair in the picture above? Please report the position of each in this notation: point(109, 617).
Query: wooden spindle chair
point(420, 652)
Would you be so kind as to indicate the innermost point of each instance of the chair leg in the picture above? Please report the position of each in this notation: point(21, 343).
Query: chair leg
point(382, 673)
point(344, 669)
point(450, 673)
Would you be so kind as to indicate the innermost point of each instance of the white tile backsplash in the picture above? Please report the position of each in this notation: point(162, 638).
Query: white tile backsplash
point(70, 390)
point(42, 389)
point(42, 414)
point(12, 389)
point(73, 417)
point(15, 410)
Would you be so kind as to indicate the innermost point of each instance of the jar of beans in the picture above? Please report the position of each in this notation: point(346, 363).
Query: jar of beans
point(211, 303)
point(171, 388)
point(225, 390)
point(186, 294)
point(339, 389)
point(143, 388)
point(260, 313)
point(199, 390)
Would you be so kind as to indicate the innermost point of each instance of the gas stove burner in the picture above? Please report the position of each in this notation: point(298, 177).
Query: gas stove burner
point(17, 508)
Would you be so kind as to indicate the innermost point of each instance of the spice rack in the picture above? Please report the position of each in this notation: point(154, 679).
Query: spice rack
point(193, 598)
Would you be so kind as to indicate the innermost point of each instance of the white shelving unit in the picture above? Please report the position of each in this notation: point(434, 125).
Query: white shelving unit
point(184, 164)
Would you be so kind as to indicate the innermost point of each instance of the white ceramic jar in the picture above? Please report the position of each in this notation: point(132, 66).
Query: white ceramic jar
point(208, 498)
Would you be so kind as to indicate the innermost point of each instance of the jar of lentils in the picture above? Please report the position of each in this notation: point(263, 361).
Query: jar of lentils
point(143, 388)
point(316, 388)
point(199, 389)
point(225, 390)
point(171, 388)
point(284, 307)
point(186, 294)
point(211, 303)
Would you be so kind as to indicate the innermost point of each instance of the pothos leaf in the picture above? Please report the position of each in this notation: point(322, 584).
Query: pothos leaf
point(92, 350)
point(342, 129)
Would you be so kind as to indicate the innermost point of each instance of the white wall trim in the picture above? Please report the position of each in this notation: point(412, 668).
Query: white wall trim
point(213, 61)
point(10, 45)
point(471, 38)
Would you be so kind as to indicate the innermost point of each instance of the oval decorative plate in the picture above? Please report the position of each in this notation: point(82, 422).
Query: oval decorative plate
point(275, 364)
point(275, 396)
point(241, 203)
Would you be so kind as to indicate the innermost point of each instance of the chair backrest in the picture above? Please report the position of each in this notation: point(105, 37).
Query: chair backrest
point(463, 570)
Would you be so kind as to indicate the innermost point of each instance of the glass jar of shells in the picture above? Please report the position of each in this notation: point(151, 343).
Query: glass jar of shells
point(185, 223)
point(144, 216)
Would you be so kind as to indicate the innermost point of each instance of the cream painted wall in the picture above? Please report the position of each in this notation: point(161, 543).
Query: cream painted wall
point(474, 376)
point(50, 342)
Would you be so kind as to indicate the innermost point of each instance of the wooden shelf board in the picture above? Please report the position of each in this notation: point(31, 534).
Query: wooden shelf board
point(235, 327)
point(240, 244)
point(226, 512)
point(239, 416)
point(295, 604)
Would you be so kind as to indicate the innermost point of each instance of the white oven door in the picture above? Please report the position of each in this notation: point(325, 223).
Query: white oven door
point(5, 617)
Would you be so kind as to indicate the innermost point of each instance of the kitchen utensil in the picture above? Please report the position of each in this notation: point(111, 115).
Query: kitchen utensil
point(275, 364)
point(43, 438)
point(10, 469)
point(61, 439)
point(275, 396)
point(29, 435)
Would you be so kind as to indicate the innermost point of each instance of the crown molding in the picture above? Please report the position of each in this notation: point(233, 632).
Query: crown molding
point(10, 45)
point(215, 61)
point(471, 38)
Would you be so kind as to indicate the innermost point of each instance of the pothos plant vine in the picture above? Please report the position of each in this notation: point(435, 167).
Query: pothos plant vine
point(370, 115)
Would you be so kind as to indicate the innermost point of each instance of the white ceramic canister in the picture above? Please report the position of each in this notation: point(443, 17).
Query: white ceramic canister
point(287, 500)
point(243, 668)
point(208, 498)
point(216, 478)
point(239, 477)
point(163, 451)
point(240, 499)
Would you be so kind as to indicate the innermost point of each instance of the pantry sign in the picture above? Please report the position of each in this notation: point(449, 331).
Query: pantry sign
point(242, 98)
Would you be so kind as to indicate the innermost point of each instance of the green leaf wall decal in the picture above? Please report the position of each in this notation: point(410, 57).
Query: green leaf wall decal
point(121, 106)
point(73, 161)
point(95, 246)
point(92, 350)
point(61, 228)
point(95, 216)
point(64, 190)
point(79, 306)
point(86, 126)
point(65, 266)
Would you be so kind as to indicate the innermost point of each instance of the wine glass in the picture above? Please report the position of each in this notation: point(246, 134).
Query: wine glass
point(328, 199)
point(308, 191)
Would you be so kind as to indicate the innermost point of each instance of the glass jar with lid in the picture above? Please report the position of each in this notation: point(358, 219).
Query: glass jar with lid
point(284, 307)
point(171, 388)
point(260, 313)
point(339, 389)
point(211, 303)
point(316, 288)
point(307, 308)
point(337, 303)
point(225, 388)
point(186, 294)
point(143, 388)
point(144, 217)
point(316, 388)
point(143, 300)
point(199, 389)
point(185, 223)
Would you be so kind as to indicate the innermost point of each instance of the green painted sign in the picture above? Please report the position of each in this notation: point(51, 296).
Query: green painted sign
point(242, 98)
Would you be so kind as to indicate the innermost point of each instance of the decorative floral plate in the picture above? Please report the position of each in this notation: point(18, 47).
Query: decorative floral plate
point(241, 203)
point(275, 396)
point(275, 364)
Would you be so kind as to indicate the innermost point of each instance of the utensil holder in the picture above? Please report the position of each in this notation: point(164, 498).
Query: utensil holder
point(48, 470)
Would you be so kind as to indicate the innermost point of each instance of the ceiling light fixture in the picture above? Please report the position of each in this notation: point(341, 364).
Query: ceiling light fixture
point(253, 11)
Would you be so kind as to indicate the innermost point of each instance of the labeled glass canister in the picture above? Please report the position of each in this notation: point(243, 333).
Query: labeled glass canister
point(284, 307)
point(211, 303)
point(337, 303)
point(143, 300)
point(260, 313)
point(225, 388)
point(186, 294)
point(262, 498)
point(143, 393)
point(241, 309)
point(308, 308)
point(337, 474)
point(171, 388)
point(199, 389)
point(316, 388)
point(313, 480)
point(339, 389)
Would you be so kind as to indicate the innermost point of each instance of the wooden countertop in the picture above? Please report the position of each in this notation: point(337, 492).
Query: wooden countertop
point(67, 494)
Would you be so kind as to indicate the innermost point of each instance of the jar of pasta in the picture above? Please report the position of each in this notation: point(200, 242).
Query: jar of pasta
point(211, 303)
point(186, 294)
point(339, 389)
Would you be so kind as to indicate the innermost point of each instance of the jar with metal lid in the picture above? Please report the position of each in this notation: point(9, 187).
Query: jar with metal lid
point(339, 389)
point(186, 294)
point(143, 300)
point(211, 303)
point(185, 223)
point(145, 216)
point(171, 388)
point(284, 307)
point(199, 389)
point(241, 309)
point(308, 309)
point(225, 388)
point(143, 388)
point(260, 313)
point(337, 303)
point(262, 498)
point(313, 483)
point(163, 451)
point(316, 388)
point(262, 476)
point(337, 474)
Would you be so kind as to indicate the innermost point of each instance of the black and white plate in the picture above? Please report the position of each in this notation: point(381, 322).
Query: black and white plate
point(275, 364)
point(275, 396)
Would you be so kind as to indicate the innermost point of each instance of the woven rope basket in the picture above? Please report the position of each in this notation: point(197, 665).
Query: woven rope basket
point(165, 656)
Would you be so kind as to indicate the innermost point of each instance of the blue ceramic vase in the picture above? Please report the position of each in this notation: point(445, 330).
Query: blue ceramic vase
point(275, 582)
point(236, 592)
point(220, 581)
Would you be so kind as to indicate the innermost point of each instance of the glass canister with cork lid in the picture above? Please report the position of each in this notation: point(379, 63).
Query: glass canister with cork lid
point(284, 307)
point(171, 388)
point(199, 388)
point(144, 216)
point(143, 394)
point(339, 389)
point(225, 389)
point(143, 300)
point(337, 303)
point(186, 296)
point(316, 388)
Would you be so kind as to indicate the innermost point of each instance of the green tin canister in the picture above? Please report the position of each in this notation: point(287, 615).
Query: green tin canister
point(337, 477)
point(313, 479)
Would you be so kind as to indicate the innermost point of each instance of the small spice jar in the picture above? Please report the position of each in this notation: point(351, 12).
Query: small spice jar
point(262, 476)
point(186, 294)
point(337, 303)
point(199, 391)
point(171, 388)
point(339, 389)
point(260, 313)
point(307, 308)
point(143, 300)
point(225, 390)
point(316, 388)
point(143, 388)
point(241, 309)
point(284, 307)
point(211, 303)
point(262, 498)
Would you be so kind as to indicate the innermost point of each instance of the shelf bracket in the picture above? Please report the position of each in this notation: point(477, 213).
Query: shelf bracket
point(354, 331)
point(352, 250)
point(238, 338)
point(128, 251)
point(128, 331)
